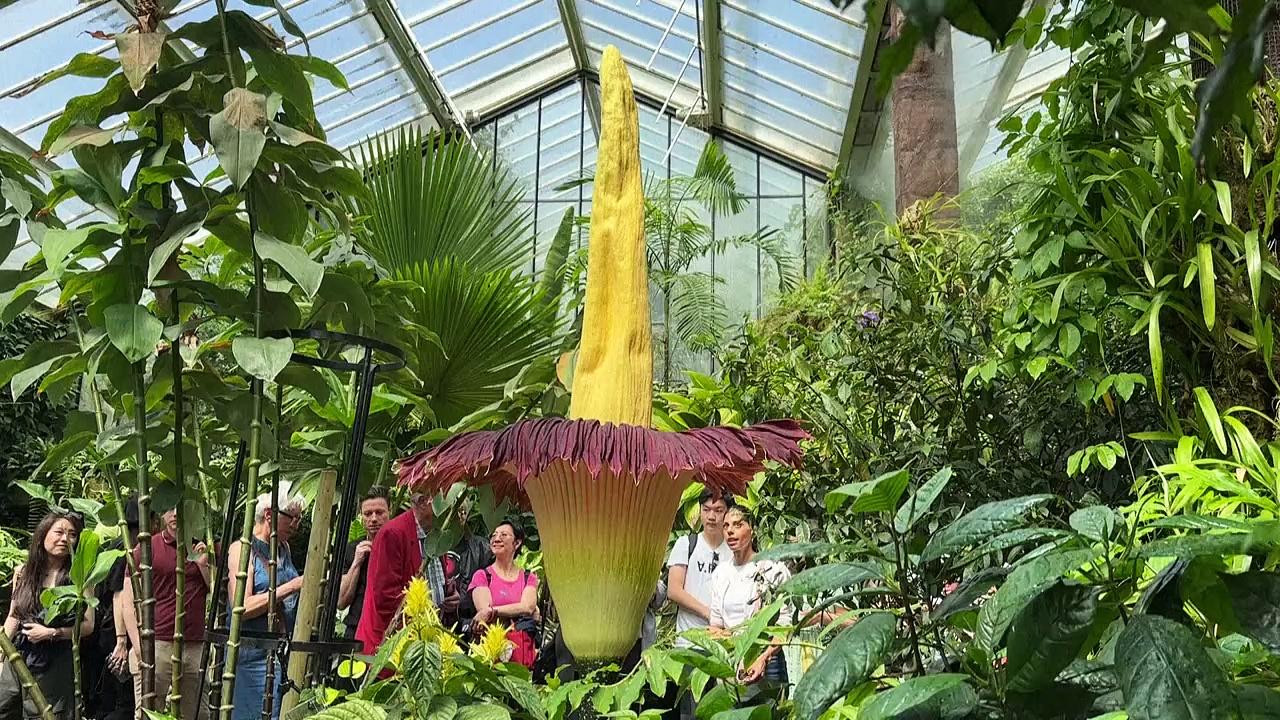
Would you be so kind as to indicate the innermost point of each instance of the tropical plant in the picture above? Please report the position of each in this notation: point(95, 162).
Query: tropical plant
point(89, 567)
point(166, 395)
point(449, 225)
point(678, 235)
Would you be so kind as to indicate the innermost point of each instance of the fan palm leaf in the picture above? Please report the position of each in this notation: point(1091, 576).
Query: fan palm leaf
point(448, 225)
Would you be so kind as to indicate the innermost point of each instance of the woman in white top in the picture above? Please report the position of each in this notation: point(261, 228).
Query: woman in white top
point(738, 589)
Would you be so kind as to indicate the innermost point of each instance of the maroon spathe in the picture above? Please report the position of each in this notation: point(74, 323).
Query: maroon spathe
point(724, 458)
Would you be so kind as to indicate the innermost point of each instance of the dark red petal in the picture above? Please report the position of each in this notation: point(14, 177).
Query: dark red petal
point(722, 458)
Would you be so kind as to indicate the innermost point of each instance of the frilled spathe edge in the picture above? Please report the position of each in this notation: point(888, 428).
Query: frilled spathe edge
point(723, 458)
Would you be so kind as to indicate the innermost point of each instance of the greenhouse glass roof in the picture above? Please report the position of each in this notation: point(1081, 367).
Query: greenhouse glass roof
point(791, 79)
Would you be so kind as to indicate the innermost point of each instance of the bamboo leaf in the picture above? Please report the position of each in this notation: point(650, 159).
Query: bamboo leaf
point(133, 330)
point(921, 501)
point(139, 53)
point(238, 133)
point(294, 260)
point(1253, 264)
point(262, 358)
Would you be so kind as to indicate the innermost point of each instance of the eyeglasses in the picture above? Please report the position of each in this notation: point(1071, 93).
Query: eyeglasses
point(292, 516)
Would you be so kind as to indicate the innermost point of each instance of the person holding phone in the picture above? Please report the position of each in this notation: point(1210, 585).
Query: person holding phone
point(43, 641)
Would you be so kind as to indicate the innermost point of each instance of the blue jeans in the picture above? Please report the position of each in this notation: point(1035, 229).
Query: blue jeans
point(251, 685)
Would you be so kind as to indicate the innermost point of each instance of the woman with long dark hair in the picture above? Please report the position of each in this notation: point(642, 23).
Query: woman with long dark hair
point(45, 642)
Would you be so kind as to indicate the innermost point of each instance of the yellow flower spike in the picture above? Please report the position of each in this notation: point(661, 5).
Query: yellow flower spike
point(493, 645)
point(417, 602)
point(613, 378)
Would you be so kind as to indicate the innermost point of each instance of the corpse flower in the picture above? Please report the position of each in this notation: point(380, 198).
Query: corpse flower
point(603, 485)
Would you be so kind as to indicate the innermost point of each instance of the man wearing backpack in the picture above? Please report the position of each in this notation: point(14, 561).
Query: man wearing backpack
point(693, 559)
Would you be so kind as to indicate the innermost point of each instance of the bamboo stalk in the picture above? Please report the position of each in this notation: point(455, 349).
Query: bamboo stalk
point(273, 565)
point(77, 695)
point(312, 581)
point(180, 560)
point(26, 680)
point(255, 431)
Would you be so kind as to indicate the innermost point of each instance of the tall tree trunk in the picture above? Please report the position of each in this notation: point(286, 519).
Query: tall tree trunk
point(925, 147)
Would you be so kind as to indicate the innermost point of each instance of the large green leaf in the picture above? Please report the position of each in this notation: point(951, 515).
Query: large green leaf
point(1027, 580)
point(262, 358)
point(916, 695)
point(282, 73)
point(847, 662)
point(921, 501)
point(1258, 702)
point(827, 578)
point(983, 523)
point(296, 262)
point(57, 243)
point(133, 330)
point(139, 53)
point(1097, 522)
point(878, 495)
point(1256, 598)
point(1047, 635)
point(238, 133)
point(353, 709)
point(1165, 674)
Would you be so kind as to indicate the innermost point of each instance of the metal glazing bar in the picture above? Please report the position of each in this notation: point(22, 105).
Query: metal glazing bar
point(356, 85)
point(766, 100)
point(358, 51)
point(436, 12)
point(679, 79)
point(51, 23)
point(479, 24)
point(537, 137)
point(391, 129)
point(665, 52)
point(825, 7)
point(406, 47)
point(499, 47)
point(788, 58)
point(294, 42)
point(506, 72)
point(572, 23)
point(877, 13)
point(712, 64)
point(665, 32)
point(778, 80)
point(644, 20)
point(790, 135)
point(788, 27)
point(371, 109)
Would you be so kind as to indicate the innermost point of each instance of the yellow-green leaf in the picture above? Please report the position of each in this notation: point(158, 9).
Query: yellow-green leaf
point(1208, 282)
point(139, 53)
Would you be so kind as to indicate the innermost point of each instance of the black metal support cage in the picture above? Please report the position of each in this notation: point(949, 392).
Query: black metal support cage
point(323, 647)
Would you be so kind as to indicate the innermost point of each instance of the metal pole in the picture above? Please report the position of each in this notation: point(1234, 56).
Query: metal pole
point(665, 33)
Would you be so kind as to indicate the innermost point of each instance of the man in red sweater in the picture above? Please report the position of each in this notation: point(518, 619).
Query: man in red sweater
point(396, 558)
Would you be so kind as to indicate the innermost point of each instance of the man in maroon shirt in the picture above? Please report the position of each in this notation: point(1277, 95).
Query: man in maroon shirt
point(165, 552)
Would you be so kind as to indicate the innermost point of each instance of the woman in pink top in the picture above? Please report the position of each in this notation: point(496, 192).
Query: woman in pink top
point(508, 594)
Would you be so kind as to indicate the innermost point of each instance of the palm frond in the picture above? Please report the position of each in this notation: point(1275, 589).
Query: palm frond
point(771, 244)
point(437, 197)
point(713, 184)
point(489, 326)
point(698, 313)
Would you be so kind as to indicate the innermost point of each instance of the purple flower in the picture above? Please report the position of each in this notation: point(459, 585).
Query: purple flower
point(869, 318)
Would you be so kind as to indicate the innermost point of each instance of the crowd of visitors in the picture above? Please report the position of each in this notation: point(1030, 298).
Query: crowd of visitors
point(712, 577)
